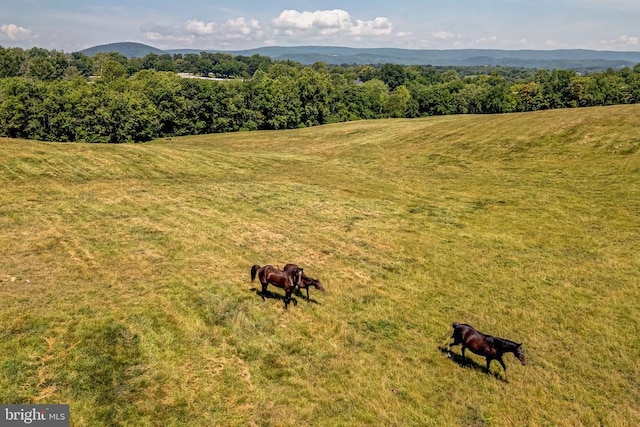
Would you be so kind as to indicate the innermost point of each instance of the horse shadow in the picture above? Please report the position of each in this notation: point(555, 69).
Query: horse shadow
point(272, 295)
point(466, 362)
point(299, 293)
point(277, 296)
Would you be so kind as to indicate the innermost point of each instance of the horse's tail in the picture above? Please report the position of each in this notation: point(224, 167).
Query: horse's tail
point(254, 269)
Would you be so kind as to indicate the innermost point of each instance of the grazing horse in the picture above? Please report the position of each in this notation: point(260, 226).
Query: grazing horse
point(306, 280)
point(485, 345)
point(287, 280)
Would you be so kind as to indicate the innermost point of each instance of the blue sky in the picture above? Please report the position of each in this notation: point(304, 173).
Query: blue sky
point(72, 25)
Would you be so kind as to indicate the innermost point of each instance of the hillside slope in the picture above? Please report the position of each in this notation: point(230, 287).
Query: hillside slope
point(125, 287)
point(128, 49)
point(577, 59)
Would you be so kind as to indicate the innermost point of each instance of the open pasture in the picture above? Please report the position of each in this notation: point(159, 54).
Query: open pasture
point(125, 273)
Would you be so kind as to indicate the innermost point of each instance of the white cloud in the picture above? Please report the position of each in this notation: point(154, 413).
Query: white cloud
point(490, 40)
point(445, 35)
point(219, 34)
point(322, 23)
point(289, 27)
point(14, 32)
point(292, 20)
point(233, 28)
point(623, 41)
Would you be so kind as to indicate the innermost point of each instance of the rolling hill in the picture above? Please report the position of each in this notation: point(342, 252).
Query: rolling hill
point(128, 49)
point(125, 273)
point(561, 59)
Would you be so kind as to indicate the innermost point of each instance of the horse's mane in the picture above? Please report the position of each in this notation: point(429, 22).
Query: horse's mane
point(505, 343)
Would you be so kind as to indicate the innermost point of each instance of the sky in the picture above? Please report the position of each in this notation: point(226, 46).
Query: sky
point(73, 25)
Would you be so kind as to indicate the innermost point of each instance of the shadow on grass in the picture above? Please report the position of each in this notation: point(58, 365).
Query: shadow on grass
point(278, 296)
point(465, 362)
point(272, 295)
point(299, 293)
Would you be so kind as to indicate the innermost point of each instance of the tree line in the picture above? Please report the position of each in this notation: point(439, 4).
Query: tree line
point(55, 96)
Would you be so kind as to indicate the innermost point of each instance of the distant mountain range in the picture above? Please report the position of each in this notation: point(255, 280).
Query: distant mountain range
point(551, 59)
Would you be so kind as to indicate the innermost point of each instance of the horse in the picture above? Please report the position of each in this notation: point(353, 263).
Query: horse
point(485, 345)
point(287, 280)
point(306, 280)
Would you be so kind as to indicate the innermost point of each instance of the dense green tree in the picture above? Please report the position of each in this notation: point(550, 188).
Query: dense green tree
point(187, 63)
point(100, 59)
point(371, 99)
point(366, 73)
point(11, 60)
point(82, 63)
point(250, 115)
point(398, 102)
point(165, 63)
point(581, 92)
point(347, 102)
point(556, 87)
point(41, 64)
point(128, 117)
point(609, 88)
point(314, 89)
point(134, 100)
point(528, 96)
point(230, 68)
point(58, 120)
point(112, 70)
point(16, 96)
point(256, 62)
point(469, 97)
point(450, 76)
point(134, 65)
point(393, 75)
point(498, 98)
point(210, 106)
point(279, 102)
point(163, 90)
point(429, 75)
point(632, 80)
point(436, 99)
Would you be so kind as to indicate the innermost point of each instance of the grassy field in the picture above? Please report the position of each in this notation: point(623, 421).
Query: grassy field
point(125, 288)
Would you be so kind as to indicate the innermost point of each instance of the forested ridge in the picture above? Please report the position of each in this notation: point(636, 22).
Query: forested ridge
point(56, 96)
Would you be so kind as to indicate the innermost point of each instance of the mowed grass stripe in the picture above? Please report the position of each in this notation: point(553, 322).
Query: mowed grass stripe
point(124, 273)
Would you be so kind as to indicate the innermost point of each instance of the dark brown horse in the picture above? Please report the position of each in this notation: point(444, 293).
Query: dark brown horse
point(485, 345)
point(306, 281)
point(287, 280)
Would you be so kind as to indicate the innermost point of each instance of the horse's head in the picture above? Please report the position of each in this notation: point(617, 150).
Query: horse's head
point(297, 276)
point(316, 284)
point(520, 354)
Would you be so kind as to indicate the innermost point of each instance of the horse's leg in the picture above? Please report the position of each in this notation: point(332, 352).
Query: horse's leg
point(464, 359)
point(456, 338)
point(264, 290)
point(502, 363)
point(307, 294)
point(287, 298)
point(454, 342)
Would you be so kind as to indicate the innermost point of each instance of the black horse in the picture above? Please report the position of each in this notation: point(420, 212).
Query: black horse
point(306, 281)
point(485, 345)
point(287, 280)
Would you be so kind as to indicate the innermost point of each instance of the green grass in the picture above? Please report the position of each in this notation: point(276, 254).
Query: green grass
point(125, 287)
